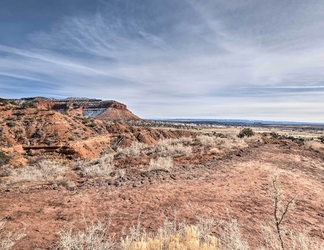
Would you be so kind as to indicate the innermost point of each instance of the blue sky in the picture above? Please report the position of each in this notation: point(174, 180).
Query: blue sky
point(251, 59)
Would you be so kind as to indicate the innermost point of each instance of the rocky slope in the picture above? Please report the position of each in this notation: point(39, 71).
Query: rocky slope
point(27, 130)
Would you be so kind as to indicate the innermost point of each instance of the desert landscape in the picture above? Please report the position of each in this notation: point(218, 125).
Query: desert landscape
point(161, 125)
point(90, 174)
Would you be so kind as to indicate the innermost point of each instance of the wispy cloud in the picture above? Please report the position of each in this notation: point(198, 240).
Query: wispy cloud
point(181, 57)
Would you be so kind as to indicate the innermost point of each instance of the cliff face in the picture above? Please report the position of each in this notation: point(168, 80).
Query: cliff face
point(95, 108)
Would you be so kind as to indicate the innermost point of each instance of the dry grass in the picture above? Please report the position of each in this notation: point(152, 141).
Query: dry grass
point(170, 235)
point(165, 147)
point(9, 239)
point(293, 240)
point(171, 147)
point(94, 236)
point(173, 236)
point(222, 144)
point(206, 140)
point(231, 237)
point(134, 150)
point(45, 170)
point(182, 146)
point(104, 166)
point(303, 241)
point(184, 140)
point(161, 163)
point(188, 238)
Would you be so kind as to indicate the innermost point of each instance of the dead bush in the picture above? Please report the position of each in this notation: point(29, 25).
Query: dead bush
point(275, 233)
point(169, 147)
point(208, 141)
point(231, 238)
point(94, 236)
point(45, 170)
point(184, 140)
point(161, 163)
point(103, 166)
point(134, 150)
point(222, 144)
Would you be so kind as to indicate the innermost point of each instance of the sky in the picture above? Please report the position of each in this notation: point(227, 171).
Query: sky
point(215, 59)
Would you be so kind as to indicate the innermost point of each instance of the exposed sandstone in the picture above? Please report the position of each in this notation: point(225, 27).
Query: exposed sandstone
point(100, 109)
point(42, 127)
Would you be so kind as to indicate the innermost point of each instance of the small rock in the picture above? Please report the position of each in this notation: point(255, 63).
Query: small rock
point(70, 185)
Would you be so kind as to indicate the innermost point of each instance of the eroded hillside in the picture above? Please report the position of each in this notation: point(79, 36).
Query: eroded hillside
point(28, 131)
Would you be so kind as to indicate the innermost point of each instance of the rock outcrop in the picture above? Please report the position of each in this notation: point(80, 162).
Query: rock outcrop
point(34, 127)
point(109, 110)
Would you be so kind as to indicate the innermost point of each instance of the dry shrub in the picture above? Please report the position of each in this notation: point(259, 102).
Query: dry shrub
point(161, 163)
point(231, 143)
point(206, 227)
point(223, 144)
point(162, 148)
point(183, 140)
point(270, 237)
point(134, 150)
point(254, 138)
point(104, 166)
point(208, 141)
point(94, 236)
point(120, 173)
point(231, 238)
point(275, 233)
point(172, 235)
point(188, 239)
point(170, 147)
point(45, 170)
point(9, 239)
point(303, 241)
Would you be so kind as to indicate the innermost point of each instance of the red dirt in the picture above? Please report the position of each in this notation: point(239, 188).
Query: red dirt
point(200, 185)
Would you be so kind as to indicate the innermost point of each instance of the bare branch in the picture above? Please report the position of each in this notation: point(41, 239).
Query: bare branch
point(279, 216)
